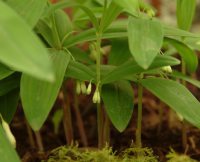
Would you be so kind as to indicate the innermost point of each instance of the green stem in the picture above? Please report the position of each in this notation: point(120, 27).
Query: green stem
point(184, 126)
point(100, 115)
point(99, 108)
point(139, 119)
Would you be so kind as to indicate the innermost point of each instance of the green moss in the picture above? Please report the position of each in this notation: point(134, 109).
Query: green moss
point(174, 157)
point(74, 154)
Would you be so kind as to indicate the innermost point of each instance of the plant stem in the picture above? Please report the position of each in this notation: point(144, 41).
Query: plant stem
point(39, 141)
point(106, 130)
point(184, 127)
point(30, 135)
point(139, 119)
point(67, 121)
point(100, 125)
point(100, 114)
point(98, 73)
point(80, 121)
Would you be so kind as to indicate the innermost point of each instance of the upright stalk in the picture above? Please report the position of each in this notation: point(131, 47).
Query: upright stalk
point(100, 114)
point(30, 135)
point(39, 141)
point(67, 121)
point(98, 73)
point(184, 126)
point(80, 121)
point(139, 119)
point(106, 138)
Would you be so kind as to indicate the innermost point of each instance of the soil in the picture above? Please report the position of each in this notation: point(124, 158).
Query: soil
point(158, 134)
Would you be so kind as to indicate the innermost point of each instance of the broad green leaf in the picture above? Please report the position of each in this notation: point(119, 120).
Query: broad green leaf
point(79, 71)
point(44, 29)
point(65, 4)
point(20, 48)
point(111, 14)
point(130, 6)
point(4, 71)
point(7, 153)
point(185, 13)
point(9, 83)
point(81, 56)
point(31, 11)
point(90, 35)
point(175, 32)
point(63, 24)
point(188, 55)
point(118, 101)
point(119, 30)
point(119, 52)
point(177, 97)
point(179, 75)
point(145, 40)
point(39, 96)
point(8, 104)
point(131, 68)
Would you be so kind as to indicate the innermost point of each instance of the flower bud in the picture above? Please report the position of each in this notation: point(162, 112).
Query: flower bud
point(96, 97)
point(83, 88)
point(89, 88)
point(78, 87)
point(167, 69)
point(9, 134)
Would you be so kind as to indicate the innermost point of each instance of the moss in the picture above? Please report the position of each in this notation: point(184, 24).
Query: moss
point(174, 157)
point(73, 154)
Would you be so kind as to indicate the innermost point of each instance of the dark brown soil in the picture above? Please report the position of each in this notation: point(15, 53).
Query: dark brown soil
point(160, 136)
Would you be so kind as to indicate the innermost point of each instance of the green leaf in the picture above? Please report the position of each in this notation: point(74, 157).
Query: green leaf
point(7, 153)
point(119, 30)
point(130, 6)
point(177, 97)
point(185, 13)
point(39, 96)
point(175, 32)
point(89, 35)
point(118, 100)
point(131, 68)
point(20, 48)
point(145, 40)
point(63, 24)
point(179, 75)
point(65, 4)
point(79, 71)
point(44, 29)
point(30, 11)
point(9, 83)
point(111, 14)
point(119, 52)
point(188, 55)
point(8, 104)
point(80, 55)
point(4, 71)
